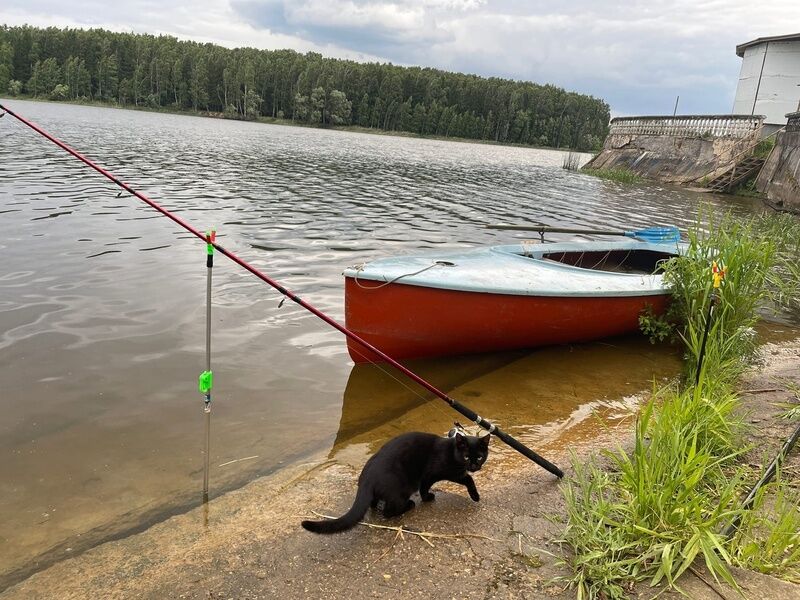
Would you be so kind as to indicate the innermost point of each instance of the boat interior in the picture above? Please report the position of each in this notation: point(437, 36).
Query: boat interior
point(615, 261)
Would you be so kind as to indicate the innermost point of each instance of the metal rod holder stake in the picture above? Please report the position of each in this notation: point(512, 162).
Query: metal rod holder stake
point(206, 380)
point(207, 452)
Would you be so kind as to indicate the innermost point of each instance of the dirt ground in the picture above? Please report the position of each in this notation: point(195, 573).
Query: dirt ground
point(505, 546)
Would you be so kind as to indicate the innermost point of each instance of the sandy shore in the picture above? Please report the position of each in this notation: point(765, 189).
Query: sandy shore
point(505, 546)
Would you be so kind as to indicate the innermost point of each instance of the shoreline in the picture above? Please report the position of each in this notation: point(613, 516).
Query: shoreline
point(504, 546)
point(290, 123)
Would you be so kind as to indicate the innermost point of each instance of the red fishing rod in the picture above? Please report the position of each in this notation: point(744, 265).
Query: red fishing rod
point(455, 404)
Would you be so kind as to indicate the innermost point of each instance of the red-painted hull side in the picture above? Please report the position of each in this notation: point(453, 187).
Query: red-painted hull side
point(407, 321)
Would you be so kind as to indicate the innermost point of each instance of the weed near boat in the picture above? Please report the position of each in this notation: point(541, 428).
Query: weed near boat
point(663, 504)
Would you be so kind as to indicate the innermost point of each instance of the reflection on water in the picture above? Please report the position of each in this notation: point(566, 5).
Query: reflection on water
point(539, 397)
point(378, 393)
point(102, 306)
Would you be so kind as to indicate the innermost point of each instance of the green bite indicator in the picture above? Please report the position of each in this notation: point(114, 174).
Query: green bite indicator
point(205, 382)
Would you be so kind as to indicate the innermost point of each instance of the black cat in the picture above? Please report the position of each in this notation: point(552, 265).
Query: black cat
point(410, 462)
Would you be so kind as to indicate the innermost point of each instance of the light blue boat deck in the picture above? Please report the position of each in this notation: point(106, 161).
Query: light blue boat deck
point(519, 269)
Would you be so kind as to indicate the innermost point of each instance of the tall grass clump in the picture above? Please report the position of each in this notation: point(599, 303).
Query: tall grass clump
point(763, 148)
point(768, 538)
point(571, 161)
point(760, 257)
point(664, 503)
point(620, 175)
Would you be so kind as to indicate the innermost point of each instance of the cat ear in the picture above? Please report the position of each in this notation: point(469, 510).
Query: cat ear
point(461, 442)
point(484, 439)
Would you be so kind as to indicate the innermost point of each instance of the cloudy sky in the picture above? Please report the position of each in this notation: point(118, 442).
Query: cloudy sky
point(638, 56)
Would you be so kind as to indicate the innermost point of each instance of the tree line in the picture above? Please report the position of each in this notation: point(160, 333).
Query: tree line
point(246, 83)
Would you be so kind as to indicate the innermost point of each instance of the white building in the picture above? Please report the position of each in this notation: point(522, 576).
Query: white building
point(769, 82)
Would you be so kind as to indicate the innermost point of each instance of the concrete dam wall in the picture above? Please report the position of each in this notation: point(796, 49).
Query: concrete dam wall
point(685, 150)
point(779, 179)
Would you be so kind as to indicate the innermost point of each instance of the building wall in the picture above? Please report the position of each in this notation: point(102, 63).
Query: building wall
point(779, 89)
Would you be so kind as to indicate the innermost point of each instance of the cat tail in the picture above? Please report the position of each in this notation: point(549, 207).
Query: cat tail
point(346, 521)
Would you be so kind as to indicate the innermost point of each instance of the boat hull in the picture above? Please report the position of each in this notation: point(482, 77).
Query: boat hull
point(409, 321)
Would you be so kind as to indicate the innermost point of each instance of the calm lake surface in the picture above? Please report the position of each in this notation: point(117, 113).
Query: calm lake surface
point(102, 307)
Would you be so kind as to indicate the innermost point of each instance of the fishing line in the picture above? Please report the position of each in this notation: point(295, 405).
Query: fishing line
point(359, 268)
point(380, 367)
point(464, 410)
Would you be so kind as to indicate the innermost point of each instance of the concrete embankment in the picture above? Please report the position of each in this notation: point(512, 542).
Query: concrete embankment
point(779, 179)
point(684, 150)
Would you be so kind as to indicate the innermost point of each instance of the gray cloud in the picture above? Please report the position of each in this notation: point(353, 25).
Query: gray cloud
point(382, 28)
point(638, 55)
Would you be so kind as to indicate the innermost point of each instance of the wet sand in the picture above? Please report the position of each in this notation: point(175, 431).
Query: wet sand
point(248, 543)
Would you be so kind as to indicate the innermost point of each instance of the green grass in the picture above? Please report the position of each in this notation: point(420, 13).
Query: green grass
point(760, 256)
point(620, 175)
point(764, 147)
point(747, 189)
point(768, 539)
point(663, 504)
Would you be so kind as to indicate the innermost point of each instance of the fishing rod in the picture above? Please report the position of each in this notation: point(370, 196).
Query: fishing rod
point(654, 235)
point(455, 404)
point(772, 469)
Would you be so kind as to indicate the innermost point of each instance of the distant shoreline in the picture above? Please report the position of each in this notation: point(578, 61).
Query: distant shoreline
point(289, 123)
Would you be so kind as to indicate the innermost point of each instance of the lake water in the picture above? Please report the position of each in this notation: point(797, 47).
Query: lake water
point(102, 307)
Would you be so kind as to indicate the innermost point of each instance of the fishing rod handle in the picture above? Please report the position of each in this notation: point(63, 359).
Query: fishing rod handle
point(505, 438)
point(524, 450)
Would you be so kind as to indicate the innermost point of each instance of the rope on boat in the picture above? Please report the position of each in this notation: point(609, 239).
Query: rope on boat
point(456, 405)
point(359, 268)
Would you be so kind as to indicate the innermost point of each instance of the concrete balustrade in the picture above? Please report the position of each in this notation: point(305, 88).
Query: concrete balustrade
point(704, 126)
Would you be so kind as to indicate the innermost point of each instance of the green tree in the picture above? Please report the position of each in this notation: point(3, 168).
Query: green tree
point(15, 87)
point(301, 108)
point(6, 64)
point(106, 77)
point(418, 118)
point(244, 82)
point(60, 92)
point(77, 77)
point(198, 84)
point(252, 103)
point(46, 75)
point(316, 105)
point(338, 108)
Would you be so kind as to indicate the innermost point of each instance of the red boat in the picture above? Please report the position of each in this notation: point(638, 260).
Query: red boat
point(503, 297)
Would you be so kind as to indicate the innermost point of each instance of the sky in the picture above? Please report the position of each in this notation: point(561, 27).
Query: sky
point(637, 56)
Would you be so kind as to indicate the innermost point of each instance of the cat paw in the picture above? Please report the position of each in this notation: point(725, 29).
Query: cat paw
point(475, 496)
point(428, 496)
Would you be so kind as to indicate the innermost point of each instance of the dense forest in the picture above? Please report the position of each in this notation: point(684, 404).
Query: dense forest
point(147, 71)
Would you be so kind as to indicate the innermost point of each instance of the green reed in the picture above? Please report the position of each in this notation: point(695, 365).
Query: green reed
point(620, 175)
point(571, 161)
point(663, 504)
